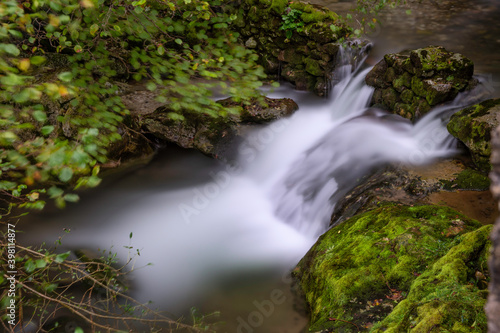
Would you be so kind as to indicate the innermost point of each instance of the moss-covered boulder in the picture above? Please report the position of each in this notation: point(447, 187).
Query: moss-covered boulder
point(473, 126)
point(212, 135)
point(411, 82)
point(398, 269)
point(296, 41)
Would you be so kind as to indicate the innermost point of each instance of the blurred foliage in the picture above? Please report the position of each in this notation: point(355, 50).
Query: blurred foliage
point(364, 18)
point(61, 62)
point(53, 292)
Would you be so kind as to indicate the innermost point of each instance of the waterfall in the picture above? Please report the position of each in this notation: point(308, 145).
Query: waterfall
point(199, 220)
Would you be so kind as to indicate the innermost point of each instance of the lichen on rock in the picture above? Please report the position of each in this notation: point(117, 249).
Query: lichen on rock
point(399, 266)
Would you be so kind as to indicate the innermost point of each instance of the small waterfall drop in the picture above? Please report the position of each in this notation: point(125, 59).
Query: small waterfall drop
point(266, 213)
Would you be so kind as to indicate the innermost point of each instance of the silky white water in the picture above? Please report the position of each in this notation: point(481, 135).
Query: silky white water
point(198, 220)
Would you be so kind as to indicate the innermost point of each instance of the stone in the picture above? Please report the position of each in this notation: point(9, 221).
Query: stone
point(389, 264)
point(473, 126)
point(433, 74)
point(212, 135)
point(251, 43)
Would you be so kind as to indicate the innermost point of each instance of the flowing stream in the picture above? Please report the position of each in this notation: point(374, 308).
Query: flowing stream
point(223, 236)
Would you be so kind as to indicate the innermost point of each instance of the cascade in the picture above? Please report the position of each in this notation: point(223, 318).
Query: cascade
point(200, 220)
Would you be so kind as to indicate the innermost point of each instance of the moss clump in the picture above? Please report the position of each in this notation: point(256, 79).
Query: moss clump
point(468, 180)
point(360, 270)
point(450, 295)
point(473, 126)
point(313, 67)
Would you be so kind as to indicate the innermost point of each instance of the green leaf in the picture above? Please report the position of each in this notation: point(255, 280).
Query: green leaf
point(65, 76)
point(66, 174)
point(16, 33)
point(39, 116)
point(12, 79)
point(54, 192)
point(130, 236)
point(408, 12)
point(40, 263)
point(61, 257)
point(10, 49)
point(178, 41)
point(78, 48)
point(93, 29)
point(161, 50)
point(46, 130)
point(71, 197)
point(29, 266)
point(50, 288)
point(7, 185)
point(37, 60)
point(138, 10)
point(79, 330)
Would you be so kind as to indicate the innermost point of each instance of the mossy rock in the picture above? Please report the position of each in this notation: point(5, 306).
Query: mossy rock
point(212, 135)
point(450, 295)
point(433, 75)
point(468, 180)
point(473, 126)
point(362, 270)
point(306, 52)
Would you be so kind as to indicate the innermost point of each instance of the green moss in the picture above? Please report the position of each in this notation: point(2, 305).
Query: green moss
point(407, 96)
point(313, 67)
point(390, 97)
point(447, 297)
point(468, 180)
point(379, 255)
point(401, 82)
point(432, 60)
point(473, 126)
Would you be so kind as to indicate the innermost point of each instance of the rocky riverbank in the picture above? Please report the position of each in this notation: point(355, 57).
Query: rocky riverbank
point(362, 274)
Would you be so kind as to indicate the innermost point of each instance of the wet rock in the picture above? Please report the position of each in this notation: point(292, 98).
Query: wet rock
point(419, 79)
point(449, 182)
point(473, 126)
point(401, 268)
point(211, 135)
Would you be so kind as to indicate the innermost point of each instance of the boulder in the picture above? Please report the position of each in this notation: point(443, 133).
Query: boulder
point(398, 269)
point(448, 182)
point(409, 83)
point(212, 135)
point(473, 127)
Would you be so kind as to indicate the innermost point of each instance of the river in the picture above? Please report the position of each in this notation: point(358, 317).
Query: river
point(223, 237)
